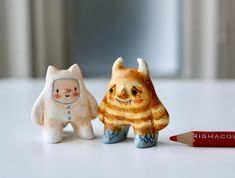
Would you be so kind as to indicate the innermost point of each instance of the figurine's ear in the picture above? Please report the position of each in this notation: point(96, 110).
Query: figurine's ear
point(143, 66)
point(75, 68)
point(118, 64)
point(51, 69)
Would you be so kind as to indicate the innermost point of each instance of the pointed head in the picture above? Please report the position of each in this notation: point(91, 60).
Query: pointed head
point(64, 86)
point(130, 88)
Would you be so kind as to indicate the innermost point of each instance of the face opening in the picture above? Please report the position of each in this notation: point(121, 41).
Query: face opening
point(65, 91)
point(128, 94)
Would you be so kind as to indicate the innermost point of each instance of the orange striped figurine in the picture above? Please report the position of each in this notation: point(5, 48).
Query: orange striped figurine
point(131, 101)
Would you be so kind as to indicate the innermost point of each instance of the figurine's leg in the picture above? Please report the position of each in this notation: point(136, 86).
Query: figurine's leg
point(114, 134)
point(83, 129)
point(52, 131)
point(145, 137)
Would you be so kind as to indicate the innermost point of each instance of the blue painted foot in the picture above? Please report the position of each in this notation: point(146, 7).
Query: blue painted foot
point(146, 141)
point(115, 136)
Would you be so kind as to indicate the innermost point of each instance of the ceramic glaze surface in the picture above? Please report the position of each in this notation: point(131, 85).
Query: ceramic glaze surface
point(65, 100)
point(131, 100)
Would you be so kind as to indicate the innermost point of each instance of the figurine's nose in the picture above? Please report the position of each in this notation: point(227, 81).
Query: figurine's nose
point(67, 90)
point(123, 94)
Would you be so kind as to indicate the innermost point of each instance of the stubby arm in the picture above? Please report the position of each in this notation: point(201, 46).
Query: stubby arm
point(93, 106)
point(37, 111)
point(101, 109)
point(160, 116)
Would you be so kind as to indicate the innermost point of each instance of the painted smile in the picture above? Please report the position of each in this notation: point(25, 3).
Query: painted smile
point(123, 102)
point(67, 95)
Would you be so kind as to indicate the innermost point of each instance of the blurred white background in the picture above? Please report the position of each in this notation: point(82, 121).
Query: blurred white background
point(178, 38)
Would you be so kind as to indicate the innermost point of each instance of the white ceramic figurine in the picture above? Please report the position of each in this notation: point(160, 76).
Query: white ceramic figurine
point(64, 100)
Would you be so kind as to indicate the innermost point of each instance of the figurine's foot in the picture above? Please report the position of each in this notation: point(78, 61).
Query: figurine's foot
point(145, 141)
point(83, 130)
point(52, 134)
point(114, 136)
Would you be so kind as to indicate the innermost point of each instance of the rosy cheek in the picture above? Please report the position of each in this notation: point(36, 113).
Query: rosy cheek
point(76, 94)
point(57, 96)
point(111, 98)
point(138, 101)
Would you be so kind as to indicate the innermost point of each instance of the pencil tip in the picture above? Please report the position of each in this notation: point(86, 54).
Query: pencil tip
point(173, 138)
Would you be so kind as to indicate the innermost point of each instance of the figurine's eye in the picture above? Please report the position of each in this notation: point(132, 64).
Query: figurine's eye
point(135, 91)
point(75, 89)
point(112, 90)
point(57, 90)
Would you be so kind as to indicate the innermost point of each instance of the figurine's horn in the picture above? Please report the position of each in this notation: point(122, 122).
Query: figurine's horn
point(143, 66)
point(118, 64)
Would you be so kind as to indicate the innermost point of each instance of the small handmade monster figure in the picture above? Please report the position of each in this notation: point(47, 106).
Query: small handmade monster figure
point(131, 101)
point(64, 100)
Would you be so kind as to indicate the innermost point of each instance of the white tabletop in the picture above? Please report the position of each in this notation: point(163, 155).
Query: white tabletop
point(193, 105)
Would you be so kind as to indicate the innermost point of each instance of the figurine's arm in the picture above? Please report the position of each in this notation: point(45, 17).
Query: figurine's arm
point(101, 109)
point(93, 106)
point(37, 111)
point(160, 116)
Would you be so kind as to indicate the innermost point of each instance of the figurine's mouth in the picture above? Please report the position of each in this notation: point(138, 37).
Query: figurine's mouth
point(67, 96)
point(123, 102)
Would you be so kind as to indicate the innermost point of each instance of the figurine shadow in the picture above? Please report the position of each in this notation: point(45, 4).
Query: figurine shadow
point(69, 136)
point(126, 140)
point(163, 144)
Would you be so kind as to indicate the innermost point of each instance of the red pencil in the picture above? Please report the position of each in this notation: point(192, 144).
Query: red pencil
point(206, 138)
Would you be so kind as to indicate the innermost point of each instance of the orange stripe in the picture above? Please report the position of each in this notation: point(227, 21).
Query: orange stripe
point(160, 115)
point(101, 114)
point(161, 123)
point(121, 118)
point(144, 130)
point(132, 110)
point(100, 111)
point(128, 114)
point(125, 122)
point(101, 118)
point(160, 127)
